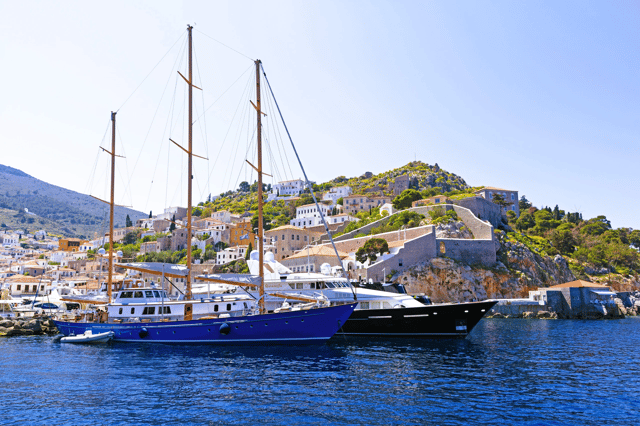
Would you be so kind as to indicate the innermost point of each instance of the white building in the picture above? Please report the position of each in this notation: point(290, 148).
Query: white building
point(9, 240)
point(289, 187)
point(222, 216)
point(308, 215)
point(230, 254)
point(337, 192)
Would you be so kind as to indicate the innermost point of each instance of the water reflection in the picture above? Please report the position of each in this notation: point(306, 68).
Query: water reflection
point(506, 372)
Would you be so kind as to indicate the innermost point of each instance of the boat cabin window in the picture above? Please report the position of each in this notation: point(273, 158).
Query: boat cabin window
point(164, 309)
point(228, 306)
point(329, 284)
point(156, 293)
point(126, 295)
point(312, 286)
point(292, 285)
point(137, 294)
point(133, 311)
point(299, 286)
point(319, 285)
point(215, 308)
point(120, 311)
point(148, 293)
point(364, 305)
point(149, 310)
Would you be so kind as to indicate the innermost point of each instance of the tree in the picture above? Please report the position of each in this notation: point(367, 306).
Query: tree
point(564, 241)
point(172, 227)
point(244, 186)
point(255, 219)
point(340, 201)
point(524, 204)
point(525, 221)
point(499, 200)
point(371, 249)
point(150, 214)
point(249, 249)
point(634, 238)
point(130, 238)
point(406, 198)
point(128, 222)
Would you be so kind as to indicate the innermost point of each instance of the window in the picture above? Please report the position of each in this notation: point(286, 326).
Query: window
point(137, 294)
point(120, 311)
point(299, 286)
point(126, 295)
point(148, 293)
point(215, 308)
point(513, 197)
point(133, 311)
point(228, 306)
point(156, 293)
point(298, 237)
point(293, 237)
point(18, 287)
point(149, 310)
point(399, 262)
point(282, 237)
point(305, 238)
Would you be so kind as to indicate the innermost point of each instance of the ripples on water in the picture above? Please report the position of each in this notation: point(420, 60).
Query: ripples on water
point(508, 371)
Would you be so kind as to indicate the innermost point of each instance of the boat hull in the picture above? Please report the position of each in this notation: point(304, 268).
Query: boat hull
point(295, 327)
point(88, 338)
point(455, 320)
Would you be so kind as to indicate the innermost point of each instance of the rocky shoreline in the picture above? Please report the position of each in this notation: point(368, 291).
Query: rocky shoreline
point(38, 326)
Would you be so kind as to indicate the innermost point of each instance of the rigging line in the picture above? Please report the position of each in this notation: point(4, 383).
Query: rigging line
point(324, 222)
point(162, 142)
point(207, 184)
point(126, 169)
point(281, 140)
point(217, 41)
point(223, 93)
point(242, 106)
point(89, 186)
point(153, 119)
point(150, 72)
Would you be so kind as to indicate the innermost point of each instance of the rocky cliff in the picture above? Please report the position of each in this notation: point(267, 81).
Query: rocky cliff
point(519, 271)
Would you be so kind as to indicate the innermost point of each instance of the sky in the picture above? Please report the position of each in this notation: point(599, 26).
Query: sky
point(539, 97)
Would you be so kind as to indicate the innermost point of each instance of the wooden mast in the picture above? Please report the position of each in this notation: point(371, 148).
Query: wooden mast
point(260, 214)
point(112, 203)
point(188, 294)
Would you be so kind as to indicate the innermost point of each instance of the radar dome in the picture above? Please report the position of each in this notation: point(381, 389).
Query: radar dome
point(254, 255)
point(269, 257)
point(101, 252)
point(325, 268)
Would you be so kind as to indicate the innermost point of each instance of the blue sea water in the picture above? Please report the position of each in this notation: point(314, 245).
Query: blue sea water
point(530, 372)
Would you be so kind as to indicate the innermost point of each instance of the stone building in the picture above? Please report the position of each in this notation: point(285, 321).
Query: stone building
point(288, 239)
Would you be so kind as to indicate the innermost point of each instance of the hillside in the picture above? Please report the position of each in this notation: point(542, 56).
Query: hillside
point(422, 177)
point(51, 207)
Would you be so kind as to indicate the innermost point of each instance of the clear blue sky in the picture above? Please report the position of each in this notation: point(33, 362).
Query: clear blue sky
point(540, 97)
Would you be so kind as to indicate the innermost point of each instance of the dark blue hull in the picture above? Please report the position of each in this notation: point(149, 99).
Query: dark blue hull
point(295, 327)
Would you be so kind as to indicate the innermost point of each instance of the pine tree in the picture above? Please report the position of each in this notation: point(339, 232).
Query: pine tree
point(128, 222)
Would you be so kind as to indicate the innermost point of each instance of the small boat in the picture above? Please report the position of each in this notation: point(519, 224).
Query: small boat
point(89, 337)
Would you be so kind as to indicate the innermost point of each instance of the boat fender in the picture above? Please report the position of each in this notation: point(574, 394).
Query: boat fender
point(143, 333)
point(225, 329)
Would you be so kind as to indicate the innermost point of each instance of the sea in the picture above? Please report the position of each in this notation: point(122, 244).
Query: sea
point(506, 372)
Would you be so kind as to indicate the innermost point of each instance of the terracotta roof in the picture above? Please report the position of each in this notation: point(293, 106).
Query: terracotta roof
point(579, 283)
point(492, 188)
point(317, 251)
point(24, 279)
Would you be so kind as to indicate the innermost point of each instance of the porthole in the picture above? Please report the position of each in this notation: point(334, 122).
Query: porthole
point(265, 324)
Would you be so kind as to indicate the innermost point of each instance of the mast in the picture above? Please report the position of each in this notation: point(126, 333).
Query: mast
point(260, 215)
point(188, 294)
point(111, 203)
